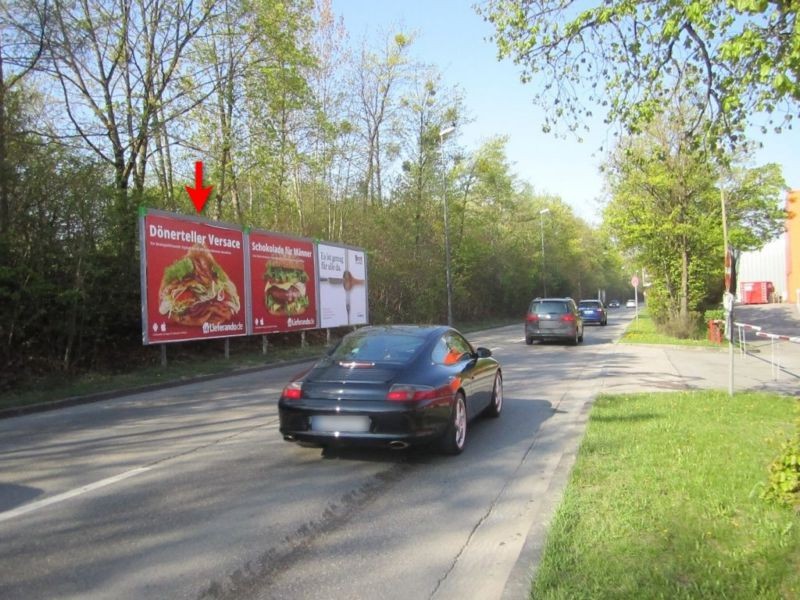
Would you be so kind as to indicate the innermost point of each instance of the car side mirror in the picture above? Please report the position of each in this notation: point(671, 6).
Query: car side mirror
point(483, 352)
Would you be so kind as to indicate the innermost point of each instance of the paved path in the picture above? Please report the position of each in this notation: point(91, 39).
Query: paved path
point(769, 364)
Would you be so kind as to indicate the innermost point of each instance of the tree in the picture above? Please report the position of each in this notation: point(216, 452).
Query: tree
point(118, 64)
point(735, 58)
point(753, 205)
point(377, 78)
point(23, 27)
point(665, 208)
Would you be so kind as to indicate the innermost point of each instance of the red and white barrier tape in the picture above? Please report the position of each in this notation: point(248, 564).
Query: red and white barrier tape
point(774, 336)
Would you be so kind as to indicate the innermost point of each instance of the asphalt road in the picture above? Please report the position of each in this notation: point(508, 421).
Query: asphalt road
point(190, 492)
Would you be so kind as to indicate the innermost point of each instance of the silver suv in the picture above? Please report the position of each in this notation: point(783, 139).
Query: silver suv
point(553, 319)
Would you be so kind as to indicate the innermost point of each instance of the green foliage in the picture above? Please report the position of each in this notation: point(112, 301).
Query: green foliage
point(734, 59)
point(715, 314)
point(297, 137)
point(783, 486)
point(666, 212)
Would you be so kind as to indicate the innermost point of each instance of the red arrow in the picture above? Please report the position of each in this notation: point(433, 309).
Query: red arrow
point(199, 194)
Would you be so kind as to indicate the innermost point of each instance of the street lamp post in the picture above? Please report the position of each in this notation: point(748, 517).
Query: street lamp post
point(443, 134)
point(542, 213)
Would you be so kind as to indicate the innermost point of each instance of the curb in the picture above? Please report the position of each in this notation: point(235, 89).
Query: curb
point(18, 411)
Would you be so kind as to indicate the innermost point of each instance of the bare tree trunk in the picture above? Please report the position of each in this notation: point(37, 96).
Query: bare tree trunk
point(5, 169)
point(684, 299)
point(73, 316)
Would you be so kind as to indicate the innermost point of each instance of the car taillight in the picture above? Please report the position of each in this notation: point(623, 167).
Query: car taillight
point(568, 318)
point(415, 393)
point(293, 391)
point(532, 317)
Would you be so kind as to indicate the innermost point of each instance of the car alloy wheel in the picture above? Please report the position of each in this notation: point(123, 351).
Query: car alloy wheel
point(496, 405)
point(455, 436)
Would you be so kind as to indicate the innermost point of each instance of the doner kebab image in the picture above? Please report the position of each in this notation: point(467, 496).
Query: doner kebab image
point(196, 290)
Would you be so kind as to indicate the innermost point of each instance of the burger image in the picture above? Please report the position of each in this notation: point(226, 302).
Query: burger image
point(195, 290)
point(285, 286)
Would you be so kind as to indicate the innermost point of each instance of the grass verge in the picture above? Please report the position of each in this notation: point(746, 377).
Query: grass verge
point(663, 502)
point(181, 366)
point(642, 330)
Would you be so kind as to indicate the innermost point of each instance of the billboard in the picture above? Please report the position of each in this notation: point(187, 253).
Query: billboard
point(283, 283)
point(203, 280)
point(193, 279)
point(342, 286)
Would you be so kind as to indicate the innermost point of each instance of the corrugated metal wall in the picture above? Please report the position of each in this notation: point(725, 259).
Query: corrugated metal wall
point(767, 264)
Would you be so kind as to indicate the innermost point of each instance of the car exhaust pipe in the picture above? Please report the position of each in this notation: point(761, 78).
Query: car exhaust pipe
point(289, 438)
point(398, 445)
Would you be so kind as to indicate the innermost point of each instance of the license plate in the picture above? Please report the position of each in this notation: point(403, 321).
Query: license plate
point(340, 423)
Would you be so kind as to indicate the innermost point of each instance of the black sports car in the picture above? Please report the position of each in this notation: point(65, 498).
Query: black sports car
point(393, 386)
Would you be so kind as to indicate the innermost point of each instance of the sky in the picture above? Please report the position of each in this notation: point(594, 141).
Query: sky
point(451, 36)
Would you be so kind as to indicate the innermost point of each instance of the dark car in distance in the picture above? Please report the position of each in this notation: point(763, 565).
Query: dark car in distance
point(593, 311)
point(393, 386)
point(614, 304)
point(553, 319)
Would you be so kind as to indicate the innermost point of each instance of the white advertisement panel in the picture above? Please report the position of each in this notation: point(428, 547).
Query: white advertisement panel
point(342, 286)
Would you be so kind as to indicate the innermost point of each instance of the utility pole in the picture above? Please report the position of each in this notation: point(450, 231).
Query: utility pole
point(728, 296)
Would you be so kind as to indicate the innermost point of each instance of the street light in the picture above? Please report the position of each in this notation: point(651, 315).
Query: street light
point(443, 135)
point(542, 213)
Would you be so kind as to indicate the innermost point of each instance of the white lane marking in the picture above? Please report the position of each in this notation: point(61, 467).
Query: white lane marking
point(10, 514)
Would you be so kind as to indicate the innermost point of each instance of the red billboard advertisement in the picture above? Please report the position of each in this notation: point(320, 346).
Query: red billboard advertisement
point(283, 281)
point(193, 279)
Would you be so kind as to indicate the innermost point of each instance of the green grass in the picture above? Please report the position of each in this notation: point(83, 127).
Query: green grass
point(643, 331)
point(663, 502)
point(183, 367)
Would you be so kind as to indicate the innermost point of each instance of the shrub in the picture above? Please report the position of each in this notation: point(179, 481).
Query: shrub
point(784, 474)
point(683, 328)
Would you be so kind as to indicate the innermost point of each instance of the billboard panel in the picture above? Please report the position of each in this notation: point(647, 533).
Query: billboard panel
point(342, 286)
point(193, 279)
point(283, 283)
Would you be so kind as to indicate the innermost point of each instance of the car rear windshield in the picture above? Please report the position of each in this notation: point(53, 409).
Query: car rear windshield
point(589, 303)
point(378, 348)
point(552, 307)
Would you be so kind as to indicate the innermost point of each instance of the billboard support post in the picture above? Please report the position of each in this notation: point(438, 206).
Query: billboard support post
point(163, 356)
point(227, 348)
point(264, 344)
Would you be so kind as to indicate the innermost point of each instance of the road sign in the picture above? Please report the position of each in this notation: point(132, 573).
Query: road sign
point(635, 281)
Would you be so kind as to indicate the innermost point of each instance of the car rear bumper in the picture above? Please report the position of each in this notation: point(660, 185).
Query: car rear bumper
point(387, 426)
point(561, 333)
point(593, 319)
